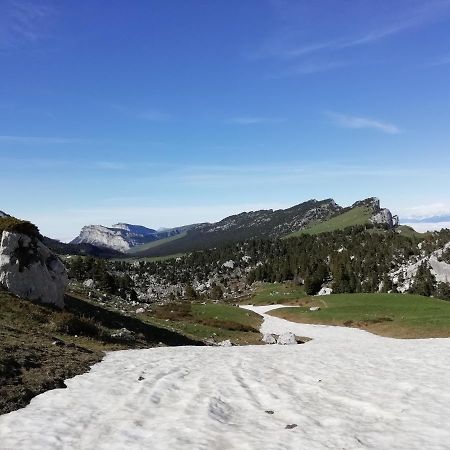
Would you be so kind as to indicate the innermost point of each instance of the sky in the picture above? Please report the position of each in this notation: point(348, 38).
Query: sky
point(167, 113)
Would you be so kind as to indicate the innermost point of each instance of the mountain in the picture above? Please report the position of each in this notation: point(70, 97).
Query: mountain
point(270, 224)
point(360, 213)
point(122, 237)
point(318, 215)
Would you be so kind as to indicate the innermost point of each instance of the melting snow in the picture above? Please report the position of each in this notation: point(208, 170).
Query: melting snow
point(344, 389)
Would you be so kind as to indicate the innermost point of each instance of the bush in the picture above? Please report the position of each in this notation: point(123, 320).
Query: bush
point(67, 323)
point(19, 226)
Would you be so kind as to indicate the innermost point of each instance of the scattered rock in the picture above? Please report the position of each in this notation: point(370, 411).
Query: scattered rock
point(287, 338)
point(124, 334)
point(269, 338)
point(325, 291)
point(89, 283)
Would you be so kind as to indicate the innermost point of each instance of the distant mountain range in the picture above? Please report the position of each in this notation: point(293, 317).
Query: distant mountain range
point(123, 236)
point(431, 219)
point(140, 241)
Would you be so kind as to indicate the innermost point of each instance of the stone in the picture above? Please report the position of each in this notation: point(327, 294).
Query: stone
point(226, 343)
point(123, 333)
point(287, 338)
point(314, 308)
point(89, 283)
point(269, 338)
point(30, 270)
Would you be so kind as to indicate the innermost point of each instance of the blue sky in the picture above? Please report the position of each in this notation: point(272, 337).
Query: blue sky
point(165, 113)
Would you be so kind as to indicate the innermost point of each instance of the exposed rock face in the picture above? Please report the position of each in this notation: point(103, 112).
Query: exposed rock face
point(122, 236)
point(30, 270)
point(404, 277)
point(3, 214)
point(383, 216)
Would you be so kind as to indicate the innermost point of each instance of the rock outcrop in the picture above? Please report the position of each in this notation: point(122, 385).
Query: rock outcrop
point(122, 236)
point(30, 270)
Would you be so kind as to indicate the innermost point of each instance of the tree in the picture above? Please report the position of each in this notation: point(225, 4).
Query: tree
point(190, 293)
point(424, 282)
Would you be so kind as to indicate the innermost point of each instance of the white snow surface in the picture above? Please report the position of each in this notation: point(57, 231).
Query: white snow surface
point(345, 389)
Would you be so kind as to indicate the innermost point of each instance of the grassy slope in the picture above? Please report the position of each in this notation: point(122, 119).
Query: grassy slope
point(394, 315)
point(407, 231)
point(209, 321)
point(31, 362)
point(275, 293)
point(154, 244)
point(356, 216)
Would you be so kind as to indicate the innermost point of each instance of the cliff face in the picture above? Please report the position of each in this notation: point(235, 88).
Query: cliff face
point(30, 270)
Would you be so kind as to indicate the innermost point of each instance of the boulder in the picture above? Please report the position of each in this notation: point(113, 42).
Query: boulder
point(269, 338)
point(89, 283)
point(30, 270)
point(287, 338)
point(325, 291)
point(226, 343)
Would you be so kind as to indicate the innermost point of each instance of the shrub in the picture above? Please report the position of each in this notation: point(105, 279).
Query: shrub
point(67, 323)
point(19, 226)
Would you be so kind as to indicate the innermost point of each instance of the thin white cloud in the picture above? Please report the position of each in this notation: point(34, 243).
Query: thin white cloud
point(443, 61)
point(149, 114)
point(358, 122)
point(285, 45)
point(255, 120)
point(426, 211)
point(23, 22)
point(423, 227)
point(111, 165)
point(308, 68)
point(41, 140)
point(153, 115)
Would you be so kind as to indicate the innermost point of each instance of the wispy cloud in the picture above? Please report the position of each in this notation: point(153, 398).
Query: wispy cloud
point(310, 67)
point(357, 122)
point(23, 22)
point(443, 61)
point(41, 140)
point(255, 120)
point(286, 46)
point(420, 212)
point(111, 165)
point(149, 114)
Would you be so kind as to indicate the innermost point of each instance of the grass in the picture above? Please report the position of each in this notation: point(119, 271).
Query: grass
point(410, 232)
point(41, 346)
point(392, 315)
point(154, 244)
point(18, 226)
point(356, 216)
point(152, 258)
point(208, 321)
point(275, 293)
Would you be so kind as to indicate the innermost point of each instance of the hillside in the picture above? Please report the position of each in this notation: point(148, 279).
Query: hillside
point(359, 215)
point(247, 225)
point(40, 346)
